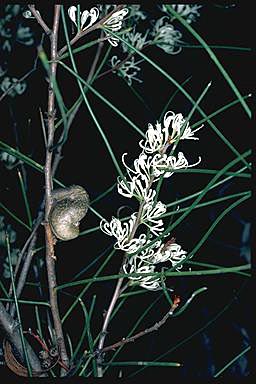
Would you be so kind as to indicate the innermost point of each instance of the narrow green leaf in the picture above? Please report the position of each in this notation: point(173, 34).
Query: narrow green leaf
point(4, 290)
point(200, 264)
point(196, 201)
point(7, 148)
point(28, 302)
point(199, 192)
point(68, 312)
point(17, 308)
point(195, 333)
point(135, 326)
point(108, 103)
point(232, 361)
point(212, 56)
point(185, 93)
point(156, 274)
point(142, 363)
point(216, 221)
point(210, 202)
point(172, 97)
point(115, 162)
point(219, 110)
point(15, 217)
point(25, 198)
point(185, 306)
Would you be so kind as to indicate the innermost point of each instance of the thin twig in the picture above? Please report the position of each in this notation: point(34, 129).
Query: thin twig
point(146, 331)
point(98, 353)
point(24, 274)
point(49, 239)
point(118, 290)
point(56, 161)
point(39, 19)
point(28, 243)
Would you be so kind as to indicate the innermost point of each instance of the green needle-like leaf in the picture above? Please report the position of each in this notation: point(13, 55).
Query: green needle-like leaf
point(212, 56)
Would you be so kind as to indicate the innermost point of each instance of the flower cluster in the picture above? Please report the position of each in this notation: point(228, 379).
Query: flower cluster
point(18, 87)
point(166, 36)
point(89, 18)
point(14, 252)
point(142, 255)
point(136, 39)
point(161, 33)
point(128, 70)
point(12, 29)
point(8, 160)
point(187, 11)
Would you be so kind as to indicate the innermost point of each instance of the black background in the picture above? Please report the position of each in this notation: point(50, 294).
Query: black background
point(86, 162)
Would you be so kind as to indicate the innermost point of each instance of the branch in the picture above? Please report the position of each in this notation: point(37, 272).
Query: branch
point(39, 19)
point(153, 328)
point(24, 273)
point(49, 239)
point(118, 289)
point(130, 339)
point(12, 333)
point(57, 158)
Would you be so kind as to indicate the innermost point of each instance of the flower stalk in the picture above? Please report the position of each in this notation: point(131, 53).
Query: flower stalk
point(152, 163)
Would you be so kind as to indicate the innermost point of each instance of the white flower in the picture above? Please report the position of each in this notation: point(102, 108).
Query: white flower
point(169, 252)
point(141, 168)
point(139, 186)
point(177, 254)
point(150, 216)
point(28, 14)
point(122, 232)
point(128, 70)
point(160, 165)
point(166, 165)
point(136, 188)
point(93, 15)
point(114, 23)
point(18, 88)
point(147, 282)
point(180, 127)
point(156, 138)
point(135, 39)
point(136, 13)
point(166, 37)
point(152, 162)
point(187, 11)
point(8, 159)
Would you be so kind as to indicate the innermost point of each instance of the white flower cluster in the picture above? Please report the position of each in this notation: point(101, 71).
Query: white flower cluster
point(136, 39)
point(166, 36)
point(128, 70)
point(7, 159)
point(152, 163)
point(187, 11)
point(88, 18)
point(19, 87)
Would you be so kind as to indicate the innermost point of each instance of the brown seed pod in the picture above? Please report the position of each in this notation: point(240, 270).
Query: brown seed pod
point(69, 206)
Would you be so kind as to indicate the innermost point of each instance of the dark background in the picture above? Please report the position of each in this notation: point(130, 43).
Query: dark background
point(86, 162)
